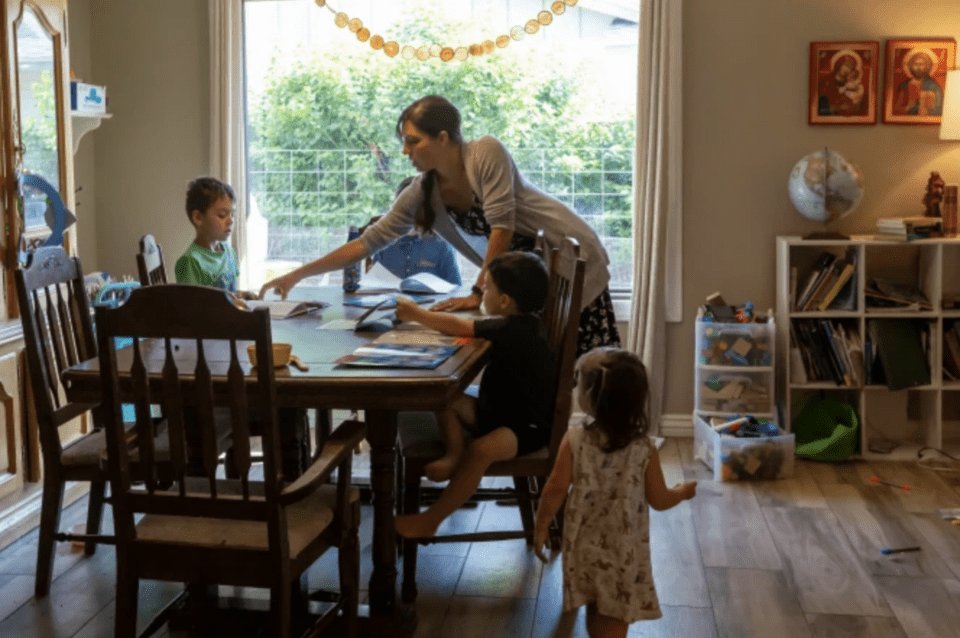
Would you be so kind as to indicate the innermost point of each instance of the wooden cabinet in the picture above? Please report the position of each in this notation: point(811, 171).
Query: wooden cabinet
point(36, 136)
point(924, 415)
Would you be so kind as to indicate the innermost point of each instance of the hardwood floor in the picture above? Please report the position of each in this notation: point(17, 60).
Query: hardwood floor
point(798, 557)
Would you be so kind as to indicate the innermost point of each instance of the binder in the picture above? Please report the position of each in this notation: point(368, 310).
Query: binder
point(901, 352)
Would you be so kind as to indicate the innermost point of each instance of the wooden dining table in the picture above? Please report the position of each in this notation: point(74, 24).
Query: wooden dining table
point(380, 392)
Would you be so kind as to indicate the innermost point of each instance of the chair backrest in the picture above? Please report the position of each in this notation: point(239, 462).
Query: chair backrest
point(561, 316)
point(57, 332)
point(150, 262)
point(168, 324)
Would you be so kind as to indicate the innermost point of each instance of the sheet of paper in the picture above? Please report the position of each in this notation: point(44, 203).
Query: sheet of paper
point(425, 282)
point(379, 279)
point(278, 309)
point(338, 324)
point(419, 338)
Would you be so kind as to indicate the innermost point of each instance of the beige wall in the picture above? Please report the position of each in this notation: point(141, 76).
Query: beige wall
point(152, 55)
point(745, 125)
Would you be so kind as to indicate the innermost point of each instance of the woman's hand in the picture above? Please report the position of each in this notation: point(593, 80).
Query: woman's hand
point(471, 302)
point(282, 285)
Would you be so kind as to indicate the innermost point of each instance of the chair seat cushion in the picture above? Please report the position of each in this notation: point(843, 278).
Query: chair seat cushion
point(87, 451)
point(421, 442)
point(306, 519)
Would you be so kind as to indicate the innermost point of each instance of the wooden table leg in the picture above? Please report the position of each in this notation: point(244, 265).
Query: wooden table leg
point(382, 435)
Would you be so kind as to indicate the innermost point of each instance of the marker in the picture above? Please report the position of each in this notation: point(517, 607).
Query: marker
point(886, 551)
point(876, 479)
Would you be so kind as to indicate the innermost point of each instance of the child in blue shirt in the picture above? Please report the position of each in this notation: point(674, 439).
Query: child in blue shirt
point(417, 252)
point(211, 261)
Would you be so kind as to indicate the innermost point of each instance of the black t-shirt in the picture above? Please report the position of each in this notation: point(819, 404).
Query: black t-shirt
point(517, 384)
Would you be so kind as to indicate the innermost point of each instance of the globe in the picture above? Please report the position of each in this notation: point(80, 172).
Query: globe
point(824, 186)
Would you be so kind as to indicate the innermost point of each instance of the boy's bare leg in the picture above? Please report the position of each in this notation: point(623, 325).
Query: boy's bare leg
point(499, 445)
point(600, 626)
point(461, 414)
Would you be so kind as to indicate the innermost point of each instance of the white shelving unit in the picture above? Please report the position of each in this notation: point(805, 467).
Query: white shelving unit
point(83, 123)
point(921, 416)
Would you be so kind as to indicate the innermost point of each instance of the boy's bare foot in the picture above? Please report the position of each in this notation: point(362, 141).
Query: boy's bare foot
point(442, 468)
point(414, 526)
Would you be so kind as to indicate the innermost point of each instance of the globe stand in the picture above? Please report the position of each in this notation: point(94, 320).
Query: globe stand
point(826, 234)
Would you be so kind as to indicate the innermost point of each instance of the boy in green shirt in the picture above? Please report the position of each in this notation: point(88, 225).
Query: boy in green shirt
point(211, 261)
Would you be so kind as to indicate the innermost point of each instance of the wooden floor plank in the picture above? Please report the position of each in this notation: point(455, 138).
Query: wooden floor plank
point(754, 602)
point(731, 529)
point(483, 617)
point(836, 626)
point(675, 556)
point(822, 568)
point(924, 606)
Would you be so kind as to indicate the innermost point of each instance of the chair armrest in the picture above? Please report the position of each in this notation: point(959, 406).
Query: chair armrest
point(336, 449)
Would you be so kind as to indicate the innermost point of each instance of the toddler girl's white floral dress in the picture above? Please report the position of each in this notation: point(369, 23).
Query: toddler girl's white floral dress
point(606, 533)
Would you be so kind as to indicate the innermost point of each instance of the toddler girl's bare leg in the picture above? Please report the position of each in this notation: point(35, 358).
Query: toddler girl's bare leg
point(461, 414)
point(501, 444)
point(600, 626)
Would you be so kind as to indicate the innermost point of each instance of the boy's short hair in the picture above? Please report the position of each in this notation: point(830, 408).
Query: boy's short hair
point(523, 277)
point(203, 192)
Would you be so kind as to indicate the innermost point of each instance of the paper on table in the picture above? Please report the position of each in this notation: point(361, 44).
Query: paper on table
point(420, 338)
point(426, 282)
point(338, 324)
point(379, 279)
point(283, 309)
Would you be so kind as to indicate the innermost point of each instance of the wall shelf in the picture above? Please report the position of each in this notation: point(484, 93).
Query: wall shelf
point(83, 123)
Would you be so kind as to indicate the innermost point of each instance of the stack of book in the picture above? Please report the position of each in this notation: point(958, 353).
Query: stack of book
point(908, 228)
point(826, 350)
point(830, 284)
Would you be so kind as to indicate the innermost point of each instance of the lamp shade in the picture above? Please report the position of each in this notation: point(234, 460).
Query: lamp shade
point(950, 123)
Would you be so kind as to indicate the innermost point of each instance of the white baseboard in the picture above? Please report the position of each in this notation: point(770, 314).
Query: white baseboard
point(676, 425)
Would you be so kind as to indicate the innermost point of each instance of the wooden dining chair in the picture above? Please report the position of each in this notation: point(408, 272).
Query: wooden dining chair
point(253, 531)
point(421, 442)
point(58, 333)
point(150, 262)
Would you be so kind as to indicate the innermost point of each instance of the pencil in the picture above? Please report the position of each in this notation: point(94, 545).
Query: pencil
point(897, 550)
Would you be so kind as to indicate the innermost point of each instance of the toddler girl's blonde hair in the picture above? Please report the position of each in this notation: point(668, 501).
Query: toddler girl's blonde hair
point(612, 388)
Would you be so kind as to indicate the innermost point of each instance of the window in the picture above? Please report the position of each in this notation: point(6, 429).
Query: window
point(322, 106)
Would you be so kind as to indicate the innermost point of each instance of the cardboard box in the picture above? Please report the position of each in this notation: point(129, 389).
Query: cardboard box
point(749, 458)
point(88, 98)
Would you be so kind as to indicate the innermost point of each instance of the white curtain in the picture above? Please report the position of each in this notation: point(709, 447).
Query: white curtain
point(227, 122)
point(657, 273)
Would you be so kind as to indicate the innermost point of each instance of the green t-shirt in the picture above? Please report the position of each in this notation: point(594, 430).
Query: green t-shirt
point(204, 267)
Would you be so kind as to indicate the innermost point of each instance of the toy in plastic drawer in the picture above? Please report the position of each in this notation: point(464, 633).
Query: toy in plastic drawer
point(735, 344)
point(746, 392)
point(734, 458)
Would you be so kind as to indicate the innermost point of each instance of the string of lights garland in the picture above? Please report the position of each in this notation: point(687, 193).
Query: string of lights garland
point(425, 52)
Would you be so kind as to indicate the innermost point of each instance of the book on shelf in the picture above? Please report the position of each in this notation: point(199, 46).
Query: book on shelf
point(398, 355)
point(951, 350)
point(843, 279)
point(916, 227)
point(881, 295)
point(900, 350)
point(814, 278)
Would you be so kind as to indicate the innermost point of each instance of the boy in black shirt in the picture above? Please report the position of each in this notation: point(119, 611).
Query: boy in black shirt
point(513, 412)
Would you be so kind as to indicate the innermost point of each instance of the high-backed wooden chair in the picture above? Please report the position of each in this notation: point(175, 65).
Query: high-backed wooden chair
point(150, 262)
point(251, 531)
point(420, 440)
point(58, 333)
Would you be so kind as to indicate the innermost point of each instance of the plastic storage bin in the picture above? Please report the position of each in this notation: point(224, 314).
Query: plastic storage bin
point(749, 458)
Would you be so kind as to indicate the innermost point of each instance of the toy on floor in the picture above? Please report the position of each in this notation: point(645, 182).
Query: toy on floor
point(879, 481)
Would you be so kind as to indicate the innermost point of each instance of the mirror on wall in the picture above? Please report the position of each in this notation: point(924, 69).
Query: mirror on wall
point(40, 128)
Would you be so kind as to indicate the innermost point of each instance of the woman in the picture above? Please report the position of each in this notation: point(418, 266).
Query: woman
point(471, 194)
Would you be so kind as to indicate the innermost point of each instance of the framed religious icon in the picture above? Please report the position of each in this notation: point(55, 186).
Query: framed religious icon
point(914, 75)
point(843, 82)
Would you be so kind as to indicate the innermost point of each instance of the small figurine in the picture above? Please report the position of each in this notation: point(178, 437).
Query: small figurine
point(934, 194)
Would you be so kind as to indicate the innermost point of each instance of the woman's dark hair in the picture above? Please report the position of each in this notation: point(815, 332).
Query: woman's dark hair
point(523, 277)
point(613, 383)
point(203, 192)
point(431, 114)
